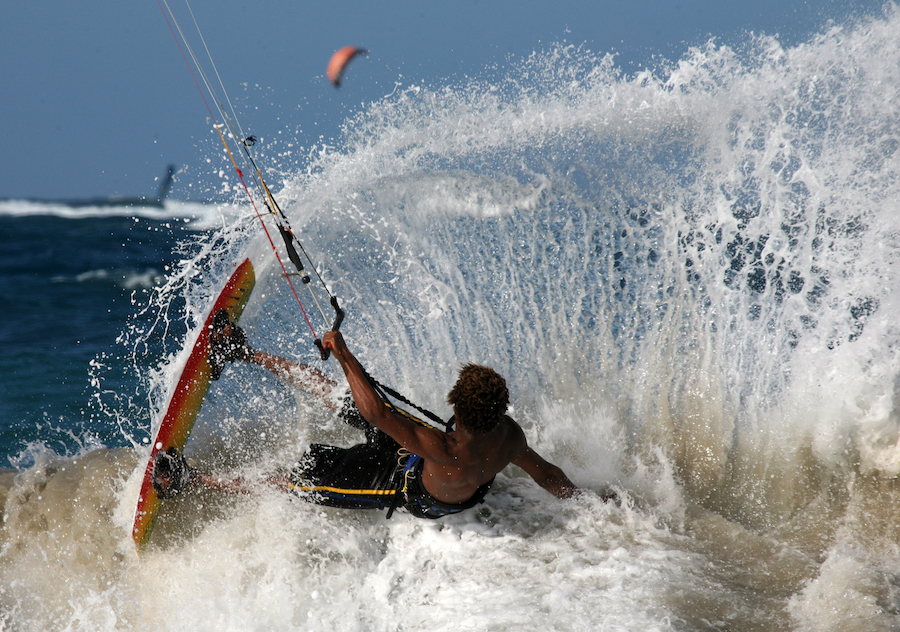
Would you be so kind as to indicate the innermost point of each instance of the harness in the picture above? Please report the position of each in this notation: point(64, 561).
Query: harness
point(420, 503)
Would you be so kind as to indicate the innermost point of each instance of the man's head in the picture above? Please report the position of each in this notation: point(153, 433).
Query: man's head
point(479, 398)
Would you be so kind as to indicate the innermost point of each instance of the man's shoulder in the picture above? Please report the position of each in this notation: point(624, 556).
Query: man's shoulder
point(513, 435)
point(511, 423)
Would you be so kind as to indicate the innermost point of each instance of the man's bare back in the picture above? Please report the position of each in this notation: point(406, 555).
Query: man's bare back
point(456, 463)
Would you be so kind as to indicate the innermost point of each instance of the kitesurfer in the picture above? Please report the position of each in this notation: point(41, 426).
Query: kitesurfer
point(403, 462)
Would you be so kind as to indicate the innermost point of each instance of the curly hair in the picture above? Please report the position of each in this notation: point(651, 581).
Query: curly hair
point(479, 398)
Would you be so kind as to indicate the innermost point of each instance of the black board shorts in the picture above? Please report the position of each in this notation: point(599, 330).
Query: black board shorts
point(364, 476)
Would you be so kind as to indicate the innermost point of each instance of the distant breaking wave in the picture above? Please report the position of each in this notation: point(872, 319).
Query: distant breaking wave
point(198, 215)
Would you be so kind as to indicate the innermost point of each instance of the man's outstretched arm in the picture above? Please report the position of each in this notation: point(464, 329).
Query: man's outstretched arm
point(545, 474)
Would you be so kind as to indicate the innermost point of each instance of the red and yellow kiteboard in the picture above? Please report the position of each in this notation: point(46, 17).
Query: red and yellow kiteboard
point(187, 397)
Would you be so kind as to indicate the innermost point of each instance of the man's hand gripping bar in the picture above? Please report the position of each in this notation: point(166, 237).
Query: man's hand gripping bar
point(336, 326)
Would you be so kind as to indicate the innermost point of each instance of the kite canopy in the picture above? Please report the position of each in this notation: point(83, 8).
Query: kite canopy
point(339, 61)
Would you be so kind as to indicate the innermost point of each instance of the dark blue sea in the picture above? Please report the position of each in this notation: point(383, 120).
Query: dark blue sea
point(75, 279)
point(689, 276)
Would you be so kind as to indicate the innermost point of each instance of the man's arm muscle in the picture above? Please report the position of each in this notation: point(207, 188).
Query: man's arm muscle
point(428, 443)
point(545, 474)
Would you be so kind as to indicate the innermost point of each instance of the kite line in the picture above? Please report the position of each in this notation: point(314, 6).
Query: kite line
point(291, 243)
point(246, 142)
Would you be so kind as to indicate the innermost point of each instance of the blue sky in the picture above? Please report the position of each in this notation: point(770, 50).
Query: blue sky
point(97, 98)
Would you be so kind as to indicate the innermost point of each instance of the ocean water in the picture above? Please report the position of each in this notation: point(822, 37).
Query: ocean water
point(689, 277)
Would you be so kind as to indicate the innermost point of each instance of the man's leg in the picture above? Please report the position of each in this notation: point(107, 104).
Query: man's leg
point(228, 343)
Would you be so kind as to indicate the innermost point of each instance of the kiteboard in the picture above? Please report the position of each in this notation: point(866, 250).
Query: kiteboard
point(187, 397)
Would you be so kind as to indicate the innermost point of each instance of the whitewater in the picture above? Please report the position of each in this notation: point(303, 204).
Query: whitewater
point(689, 278)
